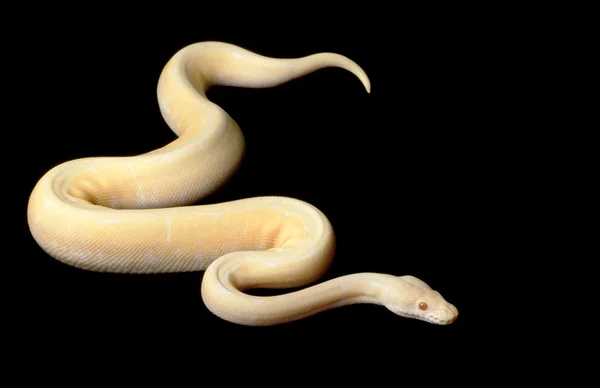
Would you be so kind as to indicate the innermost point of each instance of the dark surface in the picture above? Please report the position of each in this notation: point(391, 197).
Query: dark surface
point(408, 176)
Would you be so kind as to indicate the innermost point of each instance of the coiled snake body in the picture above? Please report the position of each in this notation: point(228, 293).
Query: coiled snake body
point(126, 214)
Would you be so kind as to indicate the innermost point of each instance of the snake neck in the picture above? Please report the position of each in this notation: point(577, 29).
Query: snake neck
point(371, 288)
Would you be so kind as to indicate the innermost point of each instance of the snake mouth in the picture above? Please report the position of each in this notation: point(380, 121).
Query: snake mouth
point(450, 311)
point(430, 317)
point(439, 321)
point(436, 320)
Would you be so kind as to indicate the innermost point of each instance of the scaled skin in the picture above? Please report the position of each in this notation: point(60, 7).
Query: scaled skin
point(128, 214)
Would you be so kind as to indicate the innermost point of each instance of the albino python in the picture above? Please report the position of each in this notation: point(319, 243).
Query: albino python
point(127, 214)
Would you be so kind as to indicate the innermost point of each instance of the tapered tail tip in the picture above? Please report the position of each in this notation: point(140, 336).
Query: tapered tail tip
point(362, 76)
point(321, 60)
point(360, 73)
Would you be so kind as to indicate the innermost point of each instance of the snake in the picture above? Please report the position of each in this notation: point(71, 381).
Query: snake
point(140, 214)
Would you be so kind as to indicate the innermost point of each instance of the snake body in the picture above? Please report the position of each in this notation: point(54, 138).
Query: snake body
point(133, 214)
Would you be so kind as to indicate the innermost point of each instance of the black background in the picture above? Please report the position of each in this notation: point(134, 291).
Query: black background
point(411, 176)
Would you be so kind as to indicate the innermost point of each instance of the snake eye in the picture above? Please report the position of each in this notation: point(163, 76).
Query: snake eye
point(423, 306)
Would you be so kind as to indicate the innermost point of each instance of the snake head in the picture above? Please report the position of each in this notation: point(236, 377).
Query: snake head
point(413, 298)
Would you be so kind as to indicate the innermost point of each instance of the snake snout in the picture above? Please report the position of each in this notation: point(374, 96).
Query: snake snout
point(449, 314)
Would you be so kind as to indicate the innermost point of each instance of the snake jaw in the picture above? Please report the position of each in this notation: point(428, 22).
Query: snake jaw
point(443, 316)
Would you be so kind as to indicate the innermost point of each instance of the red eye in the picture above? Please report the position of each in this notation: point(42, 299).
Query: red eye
point(422, 306)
